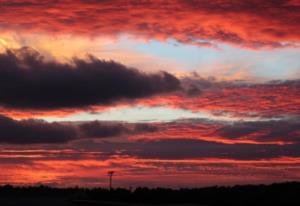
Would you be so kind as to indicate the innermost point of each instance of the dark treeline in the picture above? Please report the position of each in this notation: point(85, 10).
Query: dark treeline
point(275, 194)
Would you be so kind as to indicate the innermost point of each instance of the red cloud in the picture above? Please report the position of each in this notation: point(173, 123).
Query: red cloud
point(260, 100)
point(89, 171)
point(252, 24)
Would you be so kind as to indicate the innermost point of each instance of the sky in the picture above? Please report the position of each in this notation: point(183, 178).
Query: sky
point(166, 93)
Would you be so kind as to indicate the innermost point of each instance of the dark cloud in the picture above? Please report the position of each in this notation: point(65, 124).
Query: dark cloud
point(33, 131)
point(181, 149)
point(111, 129)
point(97, 129)
point(195, 149)
point(263, 131)
point(29, 82)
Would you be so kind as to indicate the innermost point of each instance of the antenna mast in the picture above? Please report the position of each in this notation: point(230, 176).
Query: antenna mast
point(110, 175)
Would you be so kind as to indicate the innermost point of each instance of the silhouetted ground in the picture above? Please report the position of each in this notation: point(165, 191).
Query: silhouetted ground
point(283, 194)
point(33, 201)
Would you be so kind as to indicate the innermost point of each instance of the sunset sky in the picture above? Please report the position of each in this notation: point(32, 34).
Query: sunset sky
point(169, 93)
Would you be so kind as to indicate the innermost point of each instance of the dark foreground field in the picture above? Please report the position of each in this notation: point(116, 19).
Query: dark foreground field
point(283, 194)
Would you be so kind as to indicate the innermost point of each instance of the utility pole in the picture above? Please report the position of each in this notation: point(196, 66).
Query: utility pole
point(110, 175)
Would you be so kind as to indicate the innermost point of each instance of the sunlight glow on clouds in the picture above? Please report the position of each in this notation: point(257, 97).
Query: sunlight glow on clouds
point(166, 93)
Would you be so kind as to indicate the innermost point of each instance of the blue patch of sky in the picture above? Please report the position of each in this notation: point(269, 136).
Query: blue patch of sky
point(269, 64)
